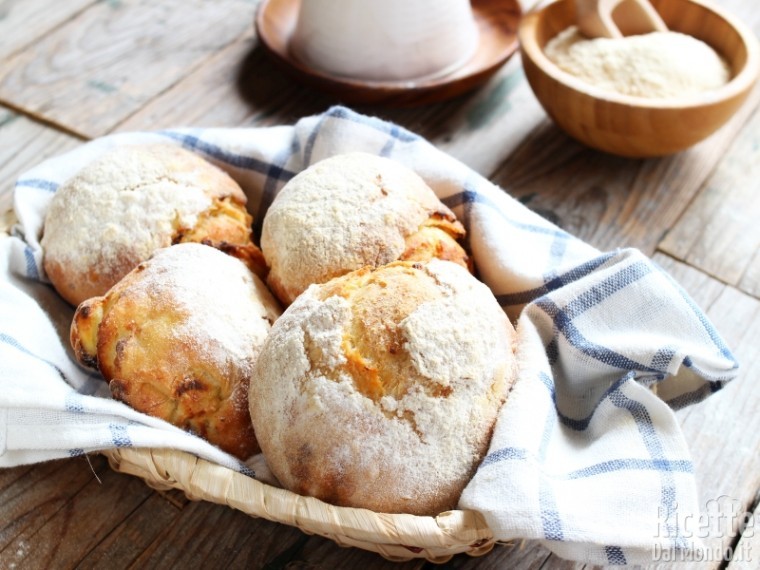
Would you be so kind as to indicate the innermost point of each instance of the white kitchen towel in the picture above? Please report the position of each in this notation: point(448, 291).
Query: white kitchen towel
point(587, 455)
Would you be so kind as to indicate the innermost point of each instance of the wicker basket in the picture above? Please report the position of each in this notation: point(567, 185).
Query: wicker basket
point(396, 537)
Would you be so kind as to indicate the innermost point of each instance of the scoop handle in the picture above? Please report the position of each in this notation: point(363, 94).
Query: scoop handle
point(594, 18)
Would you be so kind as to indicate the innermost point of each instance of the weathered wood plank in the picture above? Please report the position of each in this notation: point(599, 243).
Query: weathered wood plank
point(718, 232)
point(174, 497)
point(83, 521)
point(746, 553)
point(519, 555)
point(8, 477)
point(206, 535)
point(28, 144)
point(750, 281)
point(237, 87)
point(317, 553)
point(129, 539)
point(105, 64)
point(241, 87)
point(24, 21)
point(484, 128)
point(30, 497)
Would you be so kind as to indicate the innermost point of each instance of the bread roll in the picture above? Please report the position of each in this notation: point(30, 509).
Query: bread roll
point(132, 201)
point(351, 211)
point(379, 389)
point(177, 338)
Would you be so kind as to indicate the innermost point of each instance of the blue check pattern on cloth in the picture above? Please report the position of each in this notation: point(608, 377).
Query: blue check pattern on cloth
point(586, 456)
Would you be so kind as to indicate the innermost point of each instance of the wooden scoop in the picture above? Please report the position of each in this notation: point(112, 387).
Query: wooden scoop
point(594, 18)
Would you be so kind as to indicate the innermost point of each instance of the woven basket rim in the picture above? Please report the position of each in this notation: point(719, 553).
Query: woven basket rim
point(435, 538)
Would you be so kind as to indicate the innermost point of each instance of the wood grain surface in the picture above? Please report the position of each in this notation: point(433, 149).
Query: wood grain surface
point(28, 144)
point(238, 87)
point(84, 520)
point(103, 65)
point(717, 233)
point(16, 17)
point(79, 69)
point(746, 551)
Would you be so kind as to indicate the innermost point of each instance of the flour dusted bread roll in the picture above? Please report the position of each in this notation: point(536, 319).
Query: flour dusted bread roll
point(349, 211)
point(379, 389)
point(132, 201)
point(177, 338)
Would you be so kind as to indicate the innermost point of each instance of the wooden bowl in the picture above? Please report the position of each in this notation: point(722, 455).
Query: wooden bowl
point(634, 126)
point(497, 22)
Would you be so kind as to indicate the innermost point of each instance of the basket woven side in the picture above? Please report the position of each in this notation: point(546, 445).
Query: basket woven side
point(394, 536)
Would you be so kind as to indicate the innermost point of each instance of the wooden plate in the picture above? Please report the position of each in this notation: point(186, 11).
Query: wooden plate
point(497, 22)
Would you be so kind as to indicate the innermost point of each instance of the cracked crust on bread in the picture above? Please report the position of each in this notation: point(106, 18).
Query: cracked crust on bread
point(350, 211)
point(379, 389)
point(177, 338)
point(132, 201)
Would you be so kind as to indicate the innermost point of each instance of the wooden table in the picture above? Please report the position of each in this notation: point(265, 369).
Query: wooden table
point(79, 69)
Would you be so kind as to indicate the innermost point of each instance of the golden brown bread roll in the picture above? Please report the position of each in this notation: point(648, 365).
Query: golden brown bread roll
point(379, 389)
point(351, 211)
point(177, 338)
point(132, 201)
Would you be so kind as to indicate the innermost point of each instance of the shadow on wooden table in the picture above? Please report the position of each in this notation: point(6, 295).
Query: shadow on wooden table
point(270, 89)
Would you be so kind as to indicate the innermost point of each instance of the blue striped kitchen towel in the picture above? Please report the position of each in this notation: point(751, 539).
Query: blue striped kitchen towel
point(587, 455)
